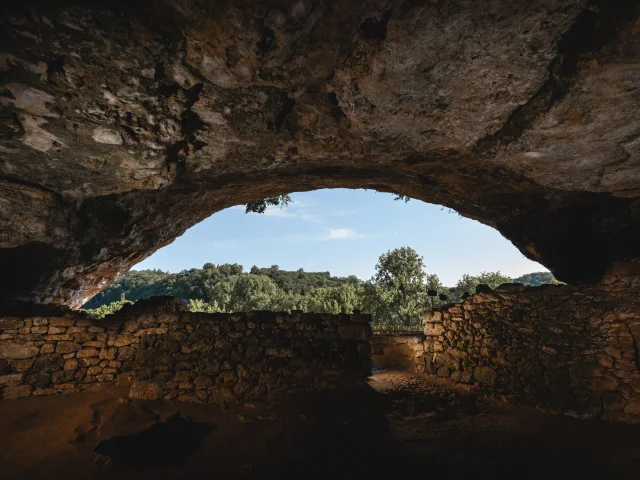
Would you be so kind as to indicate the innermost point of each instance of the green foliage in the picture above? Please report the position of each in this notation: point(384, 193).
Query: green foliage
point(536, 279)
point(104, 310)
point(260, 206)
point(397, 293)
point(244, 292)
point(201, 306)
point(468, 283)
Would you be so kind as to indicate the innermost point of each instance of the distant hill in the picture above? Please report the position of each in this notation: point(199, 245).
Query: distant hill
point(197, 282)
point(536, 279)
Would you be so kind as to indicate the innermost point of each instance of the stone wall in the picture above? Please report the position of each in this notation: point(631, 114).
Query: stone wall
point(563, 349)
point(168, 352)
point(399, 351)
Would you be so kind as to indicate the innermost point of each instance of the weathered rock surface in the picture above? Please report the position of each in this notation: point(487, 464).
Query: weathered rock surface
point(123, 126)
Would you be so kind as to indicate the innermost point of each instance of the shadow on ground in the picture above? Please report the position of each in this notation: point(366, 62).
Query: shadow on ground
point(165, 443)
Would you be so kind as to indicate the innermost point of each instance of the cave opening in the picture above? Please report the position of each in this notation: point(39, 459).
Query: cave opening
point(123, 124)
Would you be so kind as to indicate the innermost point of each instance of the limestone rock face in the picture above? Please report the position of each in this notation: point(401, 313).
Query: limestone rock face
point(122, 126)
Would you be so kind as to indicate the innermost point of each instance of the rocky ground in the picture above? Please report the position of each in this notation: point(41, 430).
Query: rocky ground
point(400, 424)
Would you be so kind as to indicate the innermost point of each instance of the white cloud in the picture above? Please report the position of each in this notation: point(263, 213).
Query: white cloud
point(330, 235)
point(342, 234)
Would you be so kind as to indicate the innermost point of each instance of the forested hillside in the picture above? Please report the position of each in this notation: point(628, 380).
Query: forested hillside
point(199, 283)
point(398, 294)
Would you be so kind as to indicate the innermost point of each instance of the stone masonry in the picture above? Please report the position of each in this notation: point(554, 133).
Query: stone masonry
point(170, 353)
point(563, 349)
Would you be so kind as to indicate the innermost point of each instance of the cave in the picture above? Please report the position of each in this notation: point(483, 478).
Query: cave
point(122, 124)
point(125, 124)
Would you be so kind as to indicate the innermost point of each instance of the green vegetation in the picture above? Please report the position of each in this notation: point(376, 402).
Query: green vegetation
point(398, 292)
point(259, 206)
point(109, 308)
point(397, 295)
point(537, 278)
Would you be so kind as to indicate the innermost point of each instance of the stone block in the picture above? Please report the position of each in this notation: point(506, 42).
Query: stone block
point(56, 330)
point(83, 337)
point(61, 322)
point(22, 365)
point(20, 391)
point(633, 406)
point(485, 375)
point(606, 383)
point(360, 331)
point(49, 363)
point(71, 364)
point(360, 318)
point(11, 323)
point(152, 331)
point(63, 376)
point(12, 349)
point(10, 380)
point(67, 347)
point(433, 329)
point(87, 352)
point(109, 353)
point(57, 337)
point(124, 339)
point(88, 362)
point(433, 317)
point(39, 380)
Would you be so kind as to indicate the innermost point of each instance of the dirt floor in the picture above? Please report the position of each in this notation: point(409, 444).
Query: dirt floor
point(398, 425)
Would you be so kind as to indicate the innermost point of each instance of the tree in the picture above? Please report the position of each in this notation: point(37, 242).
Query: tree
point(104, 310)
point(201, 306)
point(536, 279)
point(340, 299)
point(243, 293)
point(397, 293)
point(468, 283)
point(260, 206)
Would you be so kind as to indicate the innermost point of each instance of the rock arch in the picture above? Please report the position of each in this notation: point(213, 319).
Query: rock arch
point(124, 125)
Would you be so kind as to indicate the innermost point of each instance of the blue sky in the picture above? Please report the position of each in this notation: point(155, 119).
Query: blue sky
point(344, 232)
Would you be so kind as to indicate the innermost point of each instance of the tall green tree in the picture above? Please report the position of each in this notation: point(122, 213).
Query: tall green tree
point(243, 293)
point(397, 293)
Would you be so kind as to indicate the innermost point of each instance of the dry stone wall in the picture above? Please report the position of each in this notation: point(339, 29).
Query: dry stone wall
point(564, 349)
point(169, 353)
point(404, 352)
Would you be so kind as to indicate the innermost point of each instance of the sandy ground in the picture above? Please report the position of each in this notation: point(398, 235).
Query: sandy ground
point(398, 425)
